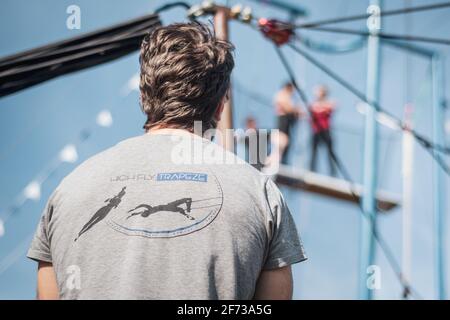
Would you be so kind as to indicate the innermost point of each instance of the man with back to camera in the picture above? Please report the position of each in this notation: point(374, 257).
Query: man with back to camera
point(201, 230)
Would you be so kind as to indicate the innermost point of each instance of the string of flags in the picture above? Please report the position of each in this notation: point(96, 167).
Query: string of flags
point(68, 154)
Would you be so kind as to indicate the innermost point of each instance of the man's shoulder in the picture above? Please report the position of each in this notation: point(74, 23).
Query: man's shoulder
point(108, 153)
point(101, 160)
point(245, 174)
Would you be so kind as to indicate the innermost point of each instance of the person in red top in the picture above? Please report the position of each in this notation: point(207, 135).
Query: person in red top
point(321, 111)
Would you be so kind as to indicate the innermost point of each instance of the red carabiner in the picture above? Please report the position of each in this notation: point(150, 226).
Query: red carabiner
point(277, 31)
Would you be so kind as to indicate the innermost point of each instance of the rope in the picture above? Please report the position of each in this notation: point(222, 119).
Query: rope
point(367, 15)
point(383, 35)
point(29, 68)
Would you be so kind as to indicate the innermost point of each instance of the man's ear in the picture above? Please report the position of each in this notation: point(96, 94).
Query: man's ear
point(218, 113)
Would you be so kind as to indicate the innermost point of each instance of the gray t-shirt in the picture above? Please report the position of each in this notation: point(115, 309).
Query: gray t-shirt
point(149, 219)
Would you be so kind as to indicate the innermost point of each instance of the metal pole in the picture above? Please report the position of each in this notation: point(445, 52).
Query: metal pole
point(221, 18)
point(368, 223)
point(439, 182)
point(407, 172)
point(407, 202)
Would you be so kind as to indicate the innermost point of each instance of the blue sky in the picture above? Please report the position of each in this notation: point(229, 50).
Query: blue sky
point(37, 123)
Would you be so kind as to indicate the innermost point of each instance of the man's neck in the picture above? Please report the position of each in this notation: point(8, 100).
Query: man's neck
point(171, 131)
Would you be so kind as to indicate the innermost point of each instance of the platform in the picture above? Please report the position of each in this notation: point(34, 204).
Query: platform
point(330, 187)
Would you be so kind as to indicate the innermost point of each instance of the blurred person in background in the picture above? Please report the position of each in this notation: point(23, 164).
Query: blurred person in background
point(287, 115)
point(322, 109)
point(256, 143)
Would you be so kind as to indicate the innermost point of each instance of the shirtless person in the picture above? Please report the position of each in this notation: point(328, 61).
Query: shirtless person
point(287, 114)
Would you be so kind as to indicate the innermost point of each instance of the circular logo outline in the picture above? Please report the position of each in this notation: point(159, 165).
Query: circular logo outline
point(177, 232)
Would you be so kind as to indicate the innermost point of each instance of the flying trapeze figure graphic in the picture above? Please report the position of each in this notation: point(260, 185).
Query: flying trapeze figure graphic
point(112, 203)
point(174, 206)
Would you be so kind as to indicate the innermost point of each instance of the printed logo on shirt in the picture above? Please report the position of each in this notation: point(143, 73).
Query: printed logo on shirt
point(173, 204)
point(100, 214)
point(182, 176)
point(134, 176)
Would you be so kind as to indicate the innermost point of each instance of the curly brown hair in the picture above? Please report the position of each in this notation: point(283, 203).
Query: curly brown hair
point(185, 73)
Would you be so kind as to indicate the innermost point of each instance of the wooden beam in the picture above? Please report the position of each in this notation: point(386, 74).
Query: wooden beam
point(330, 187)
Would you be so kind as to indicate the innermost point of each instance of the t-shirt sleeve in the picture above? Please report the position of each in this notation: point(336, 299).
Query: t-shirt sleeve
point(285, 246)
point(40, 245)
